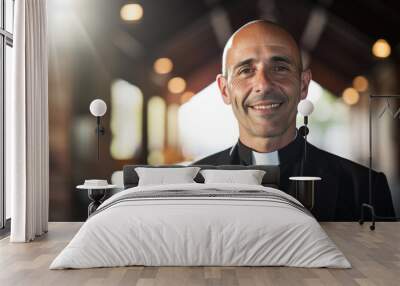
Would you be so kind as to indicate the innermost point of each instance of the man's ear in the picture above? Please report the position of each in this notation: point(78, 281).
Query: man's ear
point(223, 88)
point(305, 82)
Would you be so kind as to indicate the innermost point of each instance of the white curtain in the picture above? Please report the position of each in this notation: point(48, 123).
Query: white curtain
point(27, 140)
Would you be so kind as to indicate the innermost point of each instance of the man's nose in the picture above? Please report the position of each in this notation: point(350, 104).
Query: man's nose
point(262, 81)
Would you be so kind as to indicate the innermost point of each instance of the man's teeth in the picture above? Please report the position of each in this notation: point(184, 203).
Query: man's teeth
point(268, 106)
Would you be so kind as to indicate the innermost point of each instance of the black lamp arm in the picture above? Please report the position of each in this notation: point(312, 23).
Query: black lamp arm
point(303, 130)
point(100, 130)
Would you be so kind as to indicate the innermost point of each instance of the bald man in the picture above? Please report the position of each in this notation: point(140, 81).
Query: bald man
point(263, 80)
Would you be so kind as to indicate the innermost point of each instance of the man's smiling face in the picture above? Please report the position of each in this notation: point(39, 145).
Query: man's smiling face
point(263, 80)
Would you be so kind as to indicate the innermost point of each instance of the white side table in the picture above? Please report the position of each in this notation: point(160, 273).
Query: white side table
point(305, 189)
point(96, 194)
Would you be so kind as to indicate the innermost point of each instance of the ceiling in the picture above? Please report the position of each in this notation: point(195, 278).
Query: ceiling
point(336, 36)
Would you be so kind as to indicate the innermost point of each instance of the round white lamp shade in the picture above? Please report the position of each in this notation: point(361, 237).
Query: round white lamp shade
point(98, 107)
point(305, 107)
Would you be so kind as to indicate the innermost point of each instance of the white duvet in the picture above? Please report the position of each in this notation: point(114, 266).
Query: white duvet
point(183, 231)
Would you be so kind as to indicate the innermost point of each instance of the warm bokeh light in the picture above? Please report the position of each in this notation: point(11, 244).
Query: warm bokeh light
point(360, 83)
point(381, 49)
point(351, 96)
point(131, 12)
point(163, 66)
point(186, 96)
point(176, 85)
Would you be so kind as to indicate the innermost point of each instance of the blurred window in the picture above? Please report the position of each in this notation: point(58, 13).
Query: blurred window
point(126, 120)
point(156, 117)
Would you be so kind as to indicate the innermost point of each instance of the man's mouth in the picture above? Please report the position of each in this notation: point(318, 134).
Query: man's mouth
point(266, 108)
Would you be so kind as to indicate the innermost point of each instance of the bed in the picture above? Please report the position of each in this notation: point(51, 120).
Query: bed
point(201, 224)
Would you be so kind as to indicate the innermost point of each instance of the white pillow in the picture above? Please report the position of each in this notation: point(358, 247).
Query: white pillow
point(162, 176)
point(248, 177)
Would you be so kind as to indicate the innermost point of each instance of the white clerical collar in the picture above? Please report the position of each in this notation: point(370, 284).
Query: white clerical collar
point(270, 158)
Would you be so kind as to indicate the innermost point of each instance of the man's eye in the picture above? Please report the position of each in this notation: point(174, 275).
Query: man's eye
point(245, 71)
point(280, 68)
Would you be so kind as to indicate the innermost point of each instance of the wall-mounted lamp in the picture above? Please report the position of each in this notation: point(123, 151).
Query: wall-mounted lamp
point(305, 186)
point(98, 108)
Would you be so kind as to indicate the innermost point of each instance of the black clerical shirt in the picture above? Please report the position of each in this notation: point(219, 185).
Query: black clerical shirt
point(344, 185)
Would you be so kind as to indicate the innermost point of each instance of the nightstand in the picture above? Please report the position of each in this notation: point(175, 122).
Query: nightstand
point(96, 195)
point(305, 189)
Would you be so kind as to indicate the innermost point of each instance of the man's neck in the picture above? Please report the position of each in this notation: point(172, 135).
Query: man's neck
point(268, 144)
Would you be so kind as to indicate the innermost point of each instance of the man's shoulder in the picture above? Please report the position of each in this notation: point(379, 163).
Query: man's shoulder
point(333, 160)
point(352, 180)
point(219, 158)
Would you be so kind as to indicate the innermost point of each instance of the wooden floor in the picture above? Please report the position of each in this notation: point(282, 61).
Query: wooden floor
point(375, 256)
